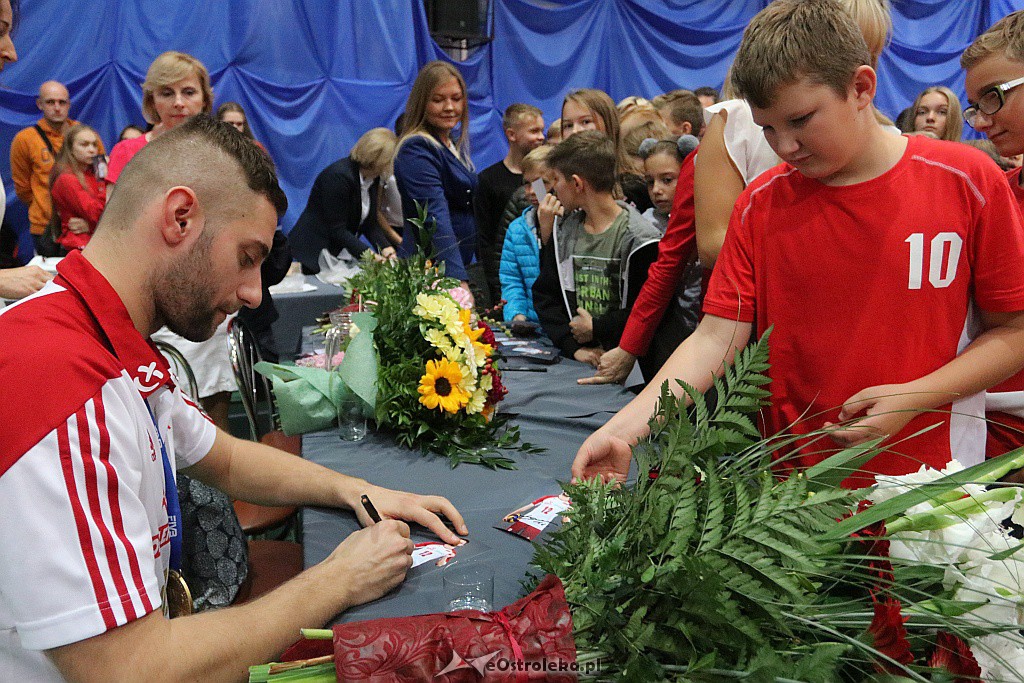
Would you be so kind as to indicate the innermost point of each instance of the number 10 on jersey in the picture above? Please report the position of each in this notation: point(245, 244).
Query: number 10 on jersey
point(943, 258)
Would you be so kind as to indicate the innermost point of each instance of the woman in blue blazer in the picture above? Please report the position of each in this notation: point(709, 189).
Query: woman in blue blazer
point(433, 169)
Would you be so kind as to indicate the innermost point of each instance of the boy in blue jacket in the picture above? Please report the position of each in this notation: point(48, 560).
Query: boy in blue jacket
point(520, 255)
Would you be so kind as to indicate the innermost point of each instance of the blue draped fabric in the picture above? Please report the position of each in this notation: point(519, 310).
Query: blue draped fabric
point(314, 75)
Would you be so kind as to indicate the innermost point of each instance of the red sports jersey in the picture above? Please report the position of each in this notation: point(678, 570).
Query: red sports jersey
point(1004, 403)
point(873, 284)
point(85, 534)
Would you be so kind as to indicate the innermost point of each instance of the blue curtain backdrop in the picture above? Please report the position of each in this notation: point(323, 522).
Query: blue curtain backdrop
point(313, 75)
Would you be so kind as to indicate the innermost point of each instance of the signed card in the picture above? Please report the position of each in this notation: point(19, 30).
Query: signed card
point(531, 520)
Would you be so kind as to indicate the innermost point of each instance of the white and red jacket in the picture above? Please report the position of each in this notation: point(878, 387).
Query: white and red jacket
point(83, 519)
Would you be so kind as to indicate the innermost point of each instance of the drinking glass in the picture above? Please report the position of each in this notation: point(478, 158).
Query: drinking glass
point(351, 420)
point(468, 585)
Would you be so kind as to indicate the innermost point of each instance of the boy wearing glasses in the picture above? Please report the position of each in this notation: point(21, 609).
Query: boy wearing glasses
point(995, 74)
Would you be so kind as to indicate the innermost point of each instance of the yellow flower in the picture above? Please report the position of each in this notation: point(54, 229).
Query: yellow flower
point(440, 341)
point(436, 307)
point(476, 402)
point(481, 351)
point(439, 387)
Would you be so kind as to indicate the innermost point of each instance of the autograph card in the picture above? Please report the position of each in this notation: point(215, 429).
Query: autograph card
point(539, 189)
point(530, 520)
point(429, 555)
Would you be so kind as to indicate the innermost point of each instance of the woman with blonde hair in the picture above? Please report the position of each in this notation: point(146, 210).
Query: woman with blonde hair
point(346, 205)
point(177, 87)
point(433, 169)
point(937, 110)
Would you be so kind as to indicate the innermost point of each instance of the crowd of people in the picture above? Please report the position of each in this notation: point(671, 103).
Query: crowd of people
point(882, 255)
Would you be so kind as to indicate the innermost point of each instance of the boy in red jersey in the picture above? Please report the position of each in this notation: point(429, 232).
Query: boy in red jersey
point(995, 74)
point(887, 265)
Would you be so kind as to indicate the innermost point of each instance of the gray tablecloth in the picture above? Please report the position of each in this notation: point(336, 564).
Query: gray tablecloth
point(554, 412)
point(299, 309)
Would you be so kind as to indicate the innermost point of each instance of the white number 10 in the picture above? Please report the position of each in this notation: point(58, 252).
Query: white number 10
point(937, 275)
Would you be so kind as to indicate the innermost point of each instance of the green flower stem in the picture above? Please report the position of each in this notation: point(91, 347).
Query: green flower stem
point(950, 513)
point(317, 633)
point(1014, 460)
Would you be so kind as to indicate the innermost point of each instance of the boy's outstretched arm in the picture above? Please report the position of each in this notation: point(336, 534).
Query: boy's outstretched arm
point(606, 453)
point(995, 355)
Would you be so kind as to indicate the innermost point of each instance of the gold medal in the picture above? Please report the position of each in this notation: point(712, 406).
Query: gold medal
point(178, 597)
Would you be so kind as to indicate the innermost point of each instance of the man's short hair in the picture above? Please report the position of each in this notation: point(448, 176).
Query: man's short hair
point(517, 112)
point(707, 91)
point(682, 106)
point(793, 39)
point(536, 158)
point(590, 155)
point(201, 154)
point(1006, 36)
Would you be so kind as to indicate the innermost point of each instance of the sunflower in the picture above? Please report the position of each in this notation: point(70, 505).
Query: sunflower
point(439, 388)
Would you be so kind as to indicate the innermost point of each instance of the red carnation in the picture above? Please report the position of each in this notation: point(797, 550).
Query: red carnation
point(876, 542)
point(498, 390)
point(890, 636)
point(954, 656)
point(488, 336)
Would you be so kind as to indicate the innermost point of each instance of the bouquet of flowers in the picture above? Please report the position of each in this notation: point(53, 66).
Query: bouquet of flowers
point(438, 384)
point(712, 568)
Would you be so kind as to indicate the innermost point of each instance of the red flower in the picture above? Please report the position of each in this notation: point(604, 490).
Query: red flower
point(498, 390)
point(488, 336)
point(877, 547)
point(890, 636)
point(954, 656)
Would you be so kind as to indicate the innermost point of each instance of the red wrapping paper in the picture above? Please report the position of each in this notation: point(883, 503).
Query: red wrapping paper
point(530, 640)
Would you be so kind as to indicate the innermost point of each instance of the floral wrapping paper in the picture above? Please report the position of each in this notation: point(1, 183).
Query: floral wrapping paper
point(458, 647)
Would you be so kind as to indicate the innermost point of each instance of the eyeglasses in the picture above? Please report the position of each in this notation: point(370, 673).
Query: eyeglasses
point(991, 101)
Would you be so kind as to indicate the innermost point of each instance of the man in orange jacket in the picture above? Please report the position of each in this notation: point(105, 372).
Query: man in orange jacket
point(32, 152)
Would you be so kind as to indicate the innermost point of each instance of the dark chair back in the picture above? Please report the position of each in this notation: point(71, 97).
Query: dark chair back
point(254, 388)
point(181, 369)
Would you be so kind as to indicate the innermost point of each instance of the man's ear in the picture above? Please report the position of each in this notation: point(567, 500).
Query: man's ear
point(510, 135)
point(687, 128)
point(864, 84)
point(181, 217)
point(578, 183)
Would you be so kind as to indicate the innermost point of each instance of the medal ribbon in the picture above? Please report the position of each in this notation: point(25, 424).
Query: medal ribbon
point(171, 494)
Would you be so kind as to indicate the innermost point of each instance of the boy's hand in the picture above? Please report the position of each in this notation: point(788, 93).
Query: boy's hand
point(880, 411)
point(582, 326)
point(589, 355)
point(614, 366)
point(546, 212)
point(603, 456)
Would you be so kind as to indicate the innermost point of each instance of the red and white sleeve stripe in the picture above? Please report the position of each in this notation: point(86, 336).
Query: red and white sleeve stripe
point(82, 511)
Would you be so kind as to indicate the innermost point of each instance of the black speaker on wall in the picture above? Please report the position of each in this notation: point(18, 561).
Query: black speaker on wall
point(453, 21)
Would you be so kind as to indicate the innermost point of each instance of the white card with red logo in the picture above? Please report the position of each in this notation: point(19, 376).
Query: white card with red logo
point(530, 520)
point(431, 551)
